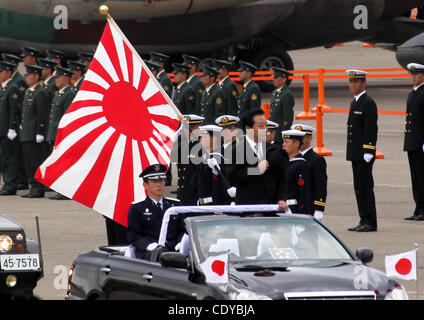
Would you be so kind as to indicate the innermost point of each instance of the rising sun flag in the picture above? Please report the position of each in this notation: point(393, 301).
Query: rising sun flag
point(120, 122)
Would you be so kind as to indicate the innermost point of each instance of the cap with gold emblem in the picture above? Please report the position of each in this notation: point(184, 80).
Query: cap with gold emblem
point(75, 65)
point(356, 74)
point(193, 119)
point(226, 120)
point(47, 63)
point(153, 65)
point(246, 66)
point(209, 71)
point(56, 54)
point(11, 58)
point(191, 60)
point(271, 124)
point(280, 72)
point(33, 69)
point(61, 71)
point(5, 65)
point(293, 134)
point(303, 127)
point(179, 67)
point(210, 129)
point(154, 172)
point(223, 64)
point(86, 56)
point(157, 56)
point(415, 68)
point(28, 51)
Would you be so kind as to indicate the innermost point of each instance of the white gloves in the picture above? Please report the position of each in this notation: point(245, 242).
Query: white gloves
point(263, 166)
point(318, 215)
point(152, 246)
point(39, 138)
point(185, 245)
point(212, 163)
point(232, 192)
point(368, 157)
point(11, 134)
point(423, 147)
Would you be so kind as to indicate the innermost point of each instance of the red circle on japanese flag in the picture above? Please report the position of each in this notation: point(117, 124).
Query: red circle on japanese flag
point(218, 266)
point(403, 266)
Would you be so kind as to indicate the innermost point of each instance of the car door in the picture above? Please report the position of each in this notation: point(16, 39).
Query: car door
point(129, 278)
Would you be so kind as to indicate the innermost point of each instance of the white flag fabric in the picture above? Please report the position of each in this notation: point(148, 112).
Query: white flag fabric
point(402, 266)
point(215, 268)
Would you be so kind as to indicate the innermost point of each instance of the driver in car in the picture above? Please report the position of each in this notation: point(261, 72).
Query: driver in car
point(145, 217)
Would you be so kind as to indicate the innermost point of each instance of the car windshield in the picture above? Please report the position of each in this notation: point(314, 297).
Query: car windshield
point(268, 240)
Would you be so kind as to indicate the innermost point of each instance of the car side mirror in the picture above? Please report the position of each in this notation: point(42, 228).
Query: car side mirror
point(173, 260)
point(366, 255)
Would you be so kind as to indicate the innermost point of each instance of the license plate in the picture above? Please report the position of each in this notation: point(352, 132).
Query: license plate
point(19, 262)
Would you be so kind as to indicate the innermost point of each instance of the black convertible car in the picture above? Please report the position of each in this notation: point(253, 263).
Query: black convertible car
point(271, 256)
point(21, 264)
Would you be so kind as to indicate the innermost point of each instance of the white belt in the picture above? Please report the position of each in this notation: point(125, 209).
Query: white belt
point(291, 202)
point(205, 200)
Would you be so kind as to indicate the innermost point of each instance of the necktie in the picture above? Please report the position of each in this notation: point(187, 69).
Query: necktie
point(159, 205)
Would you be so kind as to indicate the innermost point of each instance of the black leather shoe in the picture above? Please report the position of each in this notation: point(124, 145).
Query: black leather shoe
point(22, 186)
point(7, 193)
point(420, 217)
point(413, 217)
point(32, 195)
point(355, 228)
point(59, 197)
point(367, 228)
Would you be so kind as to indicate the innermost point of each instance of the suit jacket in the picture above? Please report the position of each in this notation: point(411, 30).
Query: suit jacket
point(318, 180)
point(144, 224)
point(361, 128)
point(34, 114)
point(414, 122)
point(252, 187)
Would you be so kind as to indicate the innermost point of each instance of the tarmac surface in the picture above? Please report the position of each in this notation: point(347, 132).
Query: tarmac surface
point(69, 228)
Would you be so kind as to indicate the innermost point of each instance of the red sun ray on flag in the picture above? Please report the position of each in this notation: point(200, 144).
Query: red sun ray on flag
point(120, 122)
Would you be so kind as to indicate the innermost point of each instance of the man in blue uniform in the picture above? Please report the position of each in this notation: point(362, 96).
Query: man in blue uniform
point(145, 217)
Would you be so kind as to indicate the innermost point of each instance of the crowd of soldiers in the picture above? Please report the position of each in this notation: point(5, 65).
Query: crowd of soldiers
point(31, 107)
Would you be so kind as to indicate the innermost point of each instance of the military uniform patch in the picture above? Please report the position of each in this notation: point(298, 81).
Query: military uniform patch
point(254, 97)
point(219, 101)
point(15, 96)
point(234, 93)
point(190, 98)
point(166, 88)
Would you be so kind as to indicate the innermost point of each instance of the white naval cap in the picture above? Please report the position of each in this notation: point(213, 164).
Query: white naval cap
point(226, 120)
point(303, 127)
point(210, 128)
point(415, 67)
point(193, 118)
point(293, 134)
point(271, 124)
point(356, 74)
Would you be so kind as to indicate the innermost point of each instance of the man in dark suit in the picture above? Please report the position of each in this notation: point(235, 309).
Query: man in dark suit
point(317, 170)
point(258, 168)
point(145, 217)
point(414, 138)
point(361, 146)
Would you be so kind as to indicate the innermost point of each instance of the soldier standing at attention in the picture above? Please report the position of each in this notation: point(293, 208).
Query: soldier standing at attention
point(78, 70)
point(184, 96)
point(250, 96)
point(49, 80)
point(9, 126)
point(361, 145)
point(34, 120)
point(414, 138)
point(163, 78)
point(193, 79)
point(282, 102)
point(228, 87)
point(212, 101)
point(61, 102)
point(30, 55)
point(56, 55)
point(86, 57)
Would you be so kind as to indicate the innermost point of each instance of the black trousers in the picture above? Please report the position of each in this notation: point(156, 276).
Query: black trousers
point(116, 233)
point(8, 162)
point(33, 155)
point(363, 183)
point(416, 166)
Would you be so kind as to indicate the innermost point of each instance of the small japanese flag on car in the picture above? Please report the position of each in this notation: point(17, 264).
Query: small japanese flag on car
point(216, 269)
point(402, 266)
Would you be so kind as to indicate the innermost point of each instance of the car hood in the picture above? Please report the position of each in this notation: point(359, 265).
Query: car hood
point(7, 224)
point(335, 277)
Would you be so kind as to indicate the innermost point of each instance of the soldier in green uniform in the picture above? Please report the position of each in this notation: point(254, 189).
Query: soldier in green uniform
point(228, 87)
point(49, 80)
point(33, 124)
point(86, 57)
point(212, 102)
point(163, 78)
point(184, 95)
point(250, 96)
point(30, 55)
point(56, 55)
point(78, 70)
point(282, 102)
point(9, 126)
point(194, 80)
point(61, 101)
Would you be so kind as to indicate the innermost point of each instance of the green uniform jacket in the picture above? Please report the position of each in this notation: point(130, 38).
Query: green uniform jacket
point(50, 89)
point(250, 98)
point(184, 99)
point(212, 104)
point(231, 96)
point(9, 108)
point(60, 103)
point(34, 114)
point(20, 82)
point(166, 83)
point(78, 85)
point(198, 88)
point(281, 110)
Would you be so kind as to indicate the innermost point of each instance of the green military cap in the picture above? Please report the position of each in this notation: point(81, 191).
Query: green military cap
point(11, 58)
point(86, 56)
point(152, 65)
point(156, 56)
point(223, 64)
point(280, 72)
point(61, 71)
point(246, 66)
point(28, 51)
point(5, 65)
point(191, 60)
point(55, 54)
point(75, 65)
point(33, 69)
point(47, 63)
point(209, 71)
point(179, 67)
point(356, 74)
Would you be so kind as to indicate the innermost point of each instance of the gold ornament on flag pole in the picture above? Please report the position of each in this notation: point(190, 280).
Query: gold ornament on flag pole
point(104, 10)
